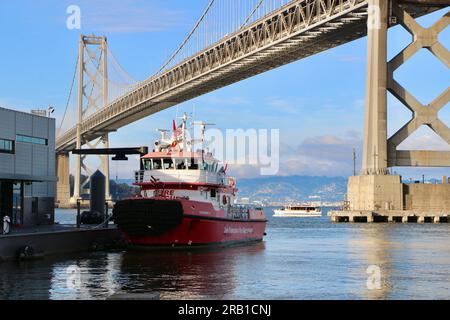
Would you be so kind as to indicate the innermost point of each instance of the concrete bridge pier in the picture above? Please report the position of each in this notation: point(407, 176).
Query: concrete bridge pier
point(63, 184)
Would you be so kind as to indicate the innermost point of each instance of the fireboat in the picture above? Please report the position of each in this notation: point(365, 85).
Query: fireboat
point(185, 199)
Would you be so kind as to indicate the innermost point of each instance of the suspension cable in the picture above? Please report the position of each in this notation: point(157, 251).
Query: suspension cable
point(211, 2)
point(121, 69)
point(70, 94)
point(252, 13)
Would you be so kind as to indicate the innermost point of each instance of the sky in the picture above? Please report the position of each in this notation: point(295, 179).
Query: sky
point(317, 103)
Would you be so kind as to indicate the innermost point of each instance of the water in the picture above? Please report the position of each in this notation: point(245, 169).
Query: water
point(301, 258)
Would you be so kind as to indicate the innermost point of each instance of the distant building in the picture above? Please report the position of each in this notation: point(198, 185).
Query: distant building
point(27, 168)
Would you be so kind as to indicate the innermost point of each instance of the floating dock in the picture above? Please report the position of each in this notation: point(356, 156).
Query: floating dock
point(393, 216)
point(39, 241)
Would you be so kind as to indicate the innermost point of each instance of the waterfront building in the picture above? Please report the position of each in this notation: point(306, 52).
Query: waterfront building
point(27, 168)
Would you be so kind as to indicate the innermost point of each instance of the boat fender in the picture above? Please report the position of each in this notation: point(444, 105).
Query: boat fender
point(26, 252)
point(6, 225)
point(97, 246)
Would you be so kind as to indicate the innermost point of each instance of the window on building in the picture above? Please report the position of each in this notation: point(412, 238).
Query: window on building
point(6, 146)
point(32, 140)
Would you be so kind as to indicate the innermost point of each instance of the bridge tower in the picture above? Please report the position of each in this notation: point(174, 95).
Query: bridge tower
point(375, 188)
point(92, 96)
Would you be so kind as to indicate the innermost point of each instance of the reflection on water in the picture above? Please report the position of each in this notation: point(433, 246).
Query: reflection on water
point(190, 275)
point(300, 259)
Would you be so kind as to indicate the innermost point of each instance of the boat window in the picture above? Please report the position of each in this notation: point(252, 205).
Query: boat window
point(213, 193)
point(203, 166)
point(156, 164)
point(147, 164)
point(193, 165)
point(181, 165)
point(168, 164)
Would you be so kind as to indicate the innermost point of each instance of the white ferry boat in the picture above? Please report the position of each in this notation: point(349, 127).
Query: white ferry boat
point(299, 210)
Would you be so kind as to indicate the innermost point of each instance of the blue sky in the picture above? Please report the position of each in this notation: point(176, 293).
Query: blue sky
point(317, 103)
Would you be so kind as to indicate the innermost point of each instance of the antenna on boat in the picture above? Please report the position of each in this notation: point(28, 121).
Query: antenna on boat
point(163, 133)
point(203, 126)
point(183, 128)
point(203, 129)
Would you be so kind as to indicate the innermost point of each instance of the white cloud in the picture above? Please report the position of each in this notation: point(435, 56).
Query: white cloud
point(315, 156)
point(424, 142)
point(289, 106)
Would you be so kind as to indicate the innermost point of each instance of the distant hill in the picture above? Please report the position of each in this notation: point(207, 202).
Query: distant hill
point(285, 189)
point(292, 188)
point(125, 181)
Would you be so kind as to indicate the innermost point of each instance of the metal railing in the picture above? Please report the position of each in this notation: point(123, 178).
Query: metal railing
point(239, 212)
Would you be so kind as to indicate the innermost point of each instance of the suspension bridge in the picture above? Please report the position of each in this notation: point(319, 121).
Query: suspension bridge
point(235, 40)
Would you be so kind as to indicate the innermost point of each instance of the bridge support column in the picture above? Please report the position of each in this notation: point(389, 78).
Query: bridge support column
point(92, 73)
point(375, 189)
point(81, 92)
point(105, 168)
point(63, 184)
point(423, 115)
point(375, 131)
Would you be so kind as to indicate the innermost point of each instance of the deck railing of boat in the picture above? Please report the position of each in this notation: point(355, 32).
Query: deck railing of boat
point(241, 212)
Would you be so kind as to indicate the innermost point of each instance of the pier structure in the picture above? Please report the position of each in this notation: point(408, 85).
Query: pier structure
point(231, 43)
point(376, 195)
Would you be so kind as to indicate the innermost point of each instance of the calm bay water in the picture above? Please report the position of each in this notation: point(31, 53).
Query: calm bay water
point(301, 258)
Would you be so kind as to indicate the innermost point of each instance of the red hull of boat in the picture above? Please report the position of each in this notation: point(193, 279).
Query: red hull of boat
point(199, 231)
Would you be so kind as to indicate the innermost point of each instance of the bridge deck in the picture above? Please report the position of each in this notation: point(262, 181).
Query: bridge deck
point(296, 31)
